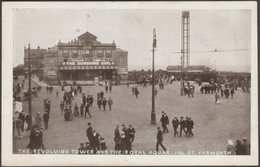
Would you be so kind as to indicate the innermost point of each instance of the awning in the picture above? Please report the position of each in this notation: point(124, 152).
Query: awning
point(89, 67)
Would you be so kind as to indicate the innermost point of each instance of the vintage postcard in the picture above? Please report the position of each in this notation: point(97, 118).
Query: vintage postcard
point(129, 83)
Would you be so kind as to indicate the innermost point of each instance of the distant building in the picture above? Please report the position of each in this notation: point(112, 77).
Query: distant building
point(190, 69)
point(84, 60)
point(36, 58)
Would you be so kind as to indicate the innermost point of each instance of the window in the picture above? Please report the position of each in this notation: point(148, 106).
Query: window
point(85, 51)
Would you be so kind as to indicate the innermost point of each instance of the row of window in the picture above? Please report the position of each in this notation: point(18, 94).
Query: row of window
point(85, 51)
point(75, 55)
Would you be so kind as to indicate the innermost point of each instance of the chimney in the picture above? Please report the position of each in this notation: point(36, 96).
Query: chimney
point(38, 47)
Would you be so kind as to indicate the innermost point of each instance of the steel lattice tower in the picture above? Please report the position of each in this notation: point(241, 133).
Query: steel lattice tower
point(185, 40)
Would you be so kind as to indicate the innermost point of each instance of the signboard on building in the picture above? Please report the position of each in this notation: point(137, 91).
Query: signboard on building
point(51, 72)
point(122, 70)
point(84, 63)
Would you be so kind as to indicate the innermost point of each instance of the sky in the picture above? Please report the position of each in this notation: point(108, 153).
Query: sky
point(132, 30)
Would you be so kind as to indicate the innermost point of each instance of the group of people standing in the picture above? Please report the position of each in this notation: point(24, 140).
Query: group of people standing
point(124, 138)
point(135, 91)
point(187, 89)
point(96, 142)
point(102, 101)
point(186, 126)
point(241, 148)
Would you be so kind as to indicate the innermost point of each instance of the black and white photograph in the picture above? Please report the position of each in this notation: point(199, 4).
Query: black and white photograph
point(129, 83)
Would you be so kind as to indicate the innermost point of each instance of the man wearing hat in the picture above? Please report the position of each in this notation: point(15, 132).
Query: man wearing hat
point(89, 133)
point(159, 139)
point(246, 146)
point(132, 133)
point(164, 121)
point(175, 124)
point(190, 125)
point(182, 126)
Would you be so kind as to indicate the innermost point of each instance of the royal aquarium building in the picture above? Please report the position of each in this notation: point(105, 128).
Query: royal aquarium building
point(85, 61)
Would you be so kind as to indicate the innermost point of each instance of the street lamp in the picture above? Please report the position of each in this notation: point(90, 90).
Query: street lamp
point(153, 116)
point(29, 91)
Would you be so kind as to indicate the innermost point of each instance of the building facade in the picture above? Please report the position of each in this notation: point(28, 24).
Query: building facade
point(36, 58)
point(86, 61)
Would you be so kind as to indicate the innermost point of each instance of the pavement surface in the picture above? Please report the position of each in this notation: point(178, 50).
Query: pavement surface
point(214, 123)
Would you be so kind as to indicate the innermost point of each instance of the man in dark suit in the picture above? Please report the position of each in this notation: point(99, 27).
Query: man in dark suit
point(175, 124)
point(117, 138)
point(131, 133)
point(87, 110)
point(182, 126)
point(190, 125)
point(89, 134)
point(159, 140)
point(164, 121)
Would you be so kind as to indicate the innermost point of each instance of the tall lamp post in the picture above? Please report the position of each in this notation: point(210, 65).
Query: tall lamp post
point(29, 91)
point(153, 116)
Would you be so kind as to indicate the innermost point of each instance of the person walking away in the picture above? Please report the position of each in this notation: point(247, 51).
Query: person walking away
point(106, 87)
point(136, 92)
point(62, 107)
point(104, 102)
point(182, 126)
point(246, 146)
point(159, 140)
point(91, 100)
point(175, 124)
point(110, 103)
point(81, 109)
point(45, 118)
point(231, 148)
point(99, 103)
point(38, 120)
point(87, 110)
point(110, 87)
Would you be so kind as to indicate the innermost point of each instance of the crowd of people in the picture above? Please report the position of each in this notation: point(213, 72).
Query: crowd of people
point(95, 141)
point(124, 136)
point(186, 125)
point(187, 89)
point(240, 148)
